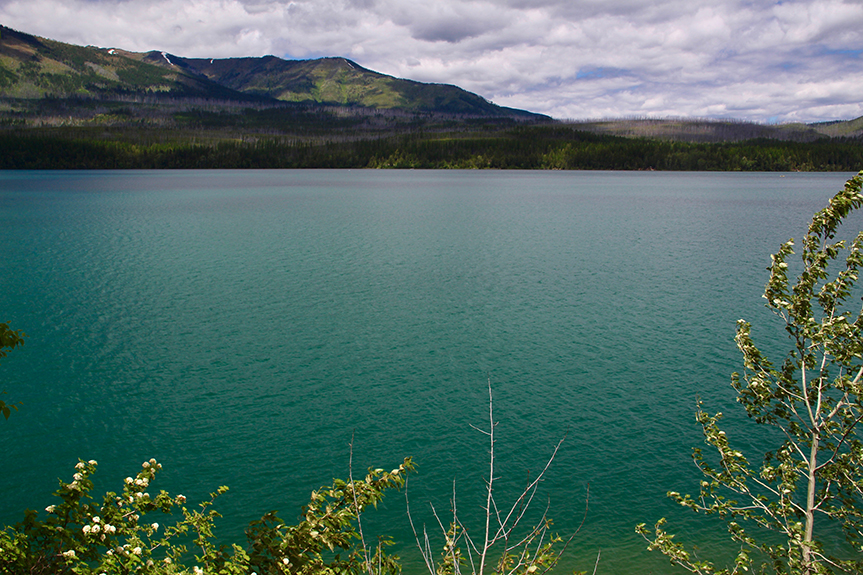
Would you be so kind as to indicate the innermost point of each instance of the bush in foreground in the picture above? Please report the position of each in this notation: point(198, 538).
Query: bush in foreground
point(135, 532)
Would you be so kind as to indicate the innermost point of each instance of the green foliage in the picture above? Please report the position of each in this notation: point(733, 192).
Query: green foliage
point(327, 528)
point(118, 534)
point(29, 69)
point(814, 397)
point(138, 74)
point(9, 340)
point(7, 77)
point(73, 56)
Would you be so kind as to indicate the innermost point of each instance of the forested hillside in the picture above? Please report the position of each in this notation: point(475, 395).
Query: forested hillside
point(66, 106)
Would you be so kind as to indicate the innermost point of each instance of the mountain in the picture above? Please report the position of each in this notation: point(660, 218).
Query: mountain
point(32, 68)
point(333, 81)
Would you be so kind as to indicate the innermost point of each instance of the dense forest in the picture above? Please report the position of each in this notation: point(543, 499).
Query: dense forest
point(495, 145)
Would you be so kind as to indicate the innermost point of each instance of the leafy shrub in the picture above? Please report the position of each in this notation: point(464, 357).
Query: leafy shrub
point(135, 532)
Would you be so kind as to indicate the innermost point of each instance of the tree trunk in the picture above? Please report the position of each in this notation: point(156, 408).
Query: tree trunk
point(808, 564)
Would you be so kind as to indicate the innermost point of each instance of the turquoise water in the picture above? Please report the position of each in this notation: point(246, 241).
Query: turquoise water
point(242, 326)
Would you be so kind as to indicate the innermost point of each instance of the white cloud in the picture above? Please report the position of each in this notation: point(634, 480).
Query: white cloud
point(794, 60)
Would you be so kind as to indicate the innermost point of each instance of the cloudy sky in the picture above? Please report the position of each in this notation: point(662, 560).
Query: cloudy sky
point(761, 60)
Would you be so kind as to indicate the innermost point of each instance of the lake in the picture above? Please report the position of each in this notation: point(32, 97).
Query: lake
point(242, 326)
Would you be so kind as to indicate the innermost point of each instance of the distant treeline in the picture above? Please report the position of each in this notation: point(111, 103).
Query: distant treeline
point(526, 147)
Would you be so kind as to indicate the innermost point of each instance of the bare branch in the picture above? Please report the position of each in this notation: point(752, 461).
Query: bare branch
point(368, 562)
point(522, 550)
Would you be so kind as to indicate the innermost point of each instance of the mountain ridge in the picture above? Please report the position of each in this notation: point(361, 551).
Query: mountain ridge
point(32, 67)
point(334, 80)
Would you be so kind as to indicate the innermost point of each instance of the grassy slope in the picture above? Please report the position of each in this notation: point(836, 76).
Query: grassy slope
point(706, 131)
point(32, 67)
point(848, 129)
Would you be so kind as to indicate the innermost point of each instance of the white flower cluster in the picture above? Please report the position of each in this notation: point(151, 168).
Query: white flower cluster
point(135, 486)
point(98, 527)
point(81, 473)
point(126, 549)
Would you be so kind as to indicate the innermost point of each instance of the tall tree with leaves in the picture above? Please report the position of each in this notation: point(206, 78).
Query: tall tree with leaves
point(814, 478)
point(9, 340)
